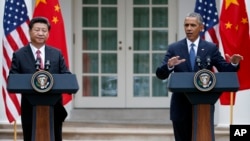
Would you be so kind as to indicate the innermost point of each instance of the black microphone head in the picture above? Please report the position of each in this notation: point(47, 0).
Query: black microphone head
point(47, 65)
point(37, 64)
point(198, 59)
point(208, 59)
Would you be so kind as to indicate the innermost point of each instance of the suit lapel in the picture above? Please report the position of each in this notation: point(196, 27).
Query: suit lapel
point(30, 59)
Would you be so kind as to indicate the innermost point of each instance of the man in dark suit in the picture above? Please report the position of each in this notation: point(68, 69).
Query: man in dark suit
point(177, 59)
point(24, 60)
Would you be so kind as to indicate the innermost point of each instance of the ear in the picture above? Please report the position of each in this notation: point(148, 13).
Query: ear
point(201, 27)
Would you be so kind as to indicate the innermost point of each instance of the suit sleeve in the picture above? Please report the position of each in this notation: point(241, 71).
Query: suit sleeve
point(163, 71)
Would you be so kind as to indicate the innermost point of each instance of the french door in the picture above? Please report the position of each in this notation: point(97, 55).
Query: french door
point(118, 46)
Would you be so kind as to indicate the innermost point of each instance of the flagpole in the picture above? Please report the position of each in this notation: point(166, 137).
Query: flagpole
point(231, 107)
point(15, 133)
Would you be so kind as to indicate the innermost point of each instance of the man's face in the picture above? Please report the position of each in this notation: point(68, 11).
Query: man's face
point(39, 34)
point(192, 28)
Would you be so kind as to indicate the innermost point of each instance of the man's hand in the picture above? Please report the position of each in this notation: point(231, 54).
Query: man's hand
point(235, 58)
point(175, 61)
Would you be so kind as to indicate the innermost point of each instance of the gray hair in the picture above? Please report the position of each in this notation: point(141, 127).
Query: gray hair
point(196, 15)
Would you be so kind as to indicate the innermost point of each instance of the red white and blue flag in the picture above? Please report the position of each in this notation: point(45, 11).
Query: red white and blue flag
point(207, 9)
point(15, 26)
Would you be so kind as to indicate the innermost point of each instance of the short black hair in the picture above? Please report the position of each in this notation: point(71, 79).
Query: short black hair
point(39, 20)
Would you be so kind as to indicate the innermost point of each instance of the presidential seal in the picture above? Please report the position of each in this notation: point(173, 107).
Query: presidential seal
point(204, 80)
point(42, 81)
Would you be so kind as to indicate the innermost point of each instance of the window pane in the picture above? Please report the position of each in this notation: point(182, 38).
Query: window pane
point(109, 17)
point(89, 1)
point(90, 63)
point(141, 2)
point(159, 87)
point(160, 17)
point(141, 40)
point(109, 1)
point(90, 40)
point(90, 17)
point(141, 86)
point(157, 60)
point(90, 86)
point(109, 40)
point(141, 17)
point(141, 63)
point(160, 1)
point(160, 40)
point(109, 86)
point(109, 63)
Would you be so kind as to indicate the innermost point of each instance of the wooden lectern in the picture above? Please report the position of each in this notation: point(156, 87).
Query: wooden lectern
point(203, 102)
point(43, 118)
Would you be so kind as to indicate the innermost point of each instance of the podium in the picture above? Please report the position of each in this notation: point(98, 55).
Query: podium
point(43, 111)
point(203, 101)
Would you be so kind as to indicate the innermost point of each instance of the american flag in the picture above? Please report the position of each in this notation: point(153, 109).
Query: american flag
point(208, 11)
point(15, 25)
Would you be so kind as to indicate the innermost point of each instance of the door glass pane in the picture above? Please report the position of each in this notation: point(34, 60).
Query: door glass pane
point(90, 86)
point(141, 2)
point(141, 17)
point(89, 1)
point(90, 39)
point(160, 17)
point(159, 1)
point(109, 63)
point(109, 1)
point(159, 87)
point(141, 40)
point(141, 86)
point(90, 17)
point(141, 63)
point(109, 17)
point(90, 63)
point(160, 40)
point(109, 40)
point(109, 86)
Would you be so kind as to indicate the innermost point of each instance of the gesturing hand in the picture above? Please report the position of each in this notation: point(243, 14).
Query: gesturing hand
point(235, 58)
point(175, 61)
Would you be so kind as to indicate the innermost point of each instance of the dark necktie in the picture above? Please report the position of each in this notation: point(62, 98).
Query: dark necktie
point(38, 57)
point(192, 55)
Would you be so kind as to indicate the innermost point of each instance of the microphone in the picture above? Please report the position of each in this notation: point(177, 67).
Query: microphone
point(47, 65)
point(198, 61)
point(37, 64)
point(208, 61)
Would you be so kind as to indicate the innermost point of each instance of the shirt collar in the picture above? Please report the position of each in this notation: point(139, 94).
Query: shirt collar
point(34, 49)
point(196, 42)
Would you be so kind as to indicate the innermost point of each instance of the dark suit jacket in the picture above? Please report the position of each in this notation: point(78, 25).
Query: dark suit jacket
point(23, 61)
point(180, 107)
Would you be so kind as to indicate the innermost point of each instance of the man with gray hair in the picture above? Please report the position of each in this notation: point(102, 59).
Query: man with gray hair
point(180, 57)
